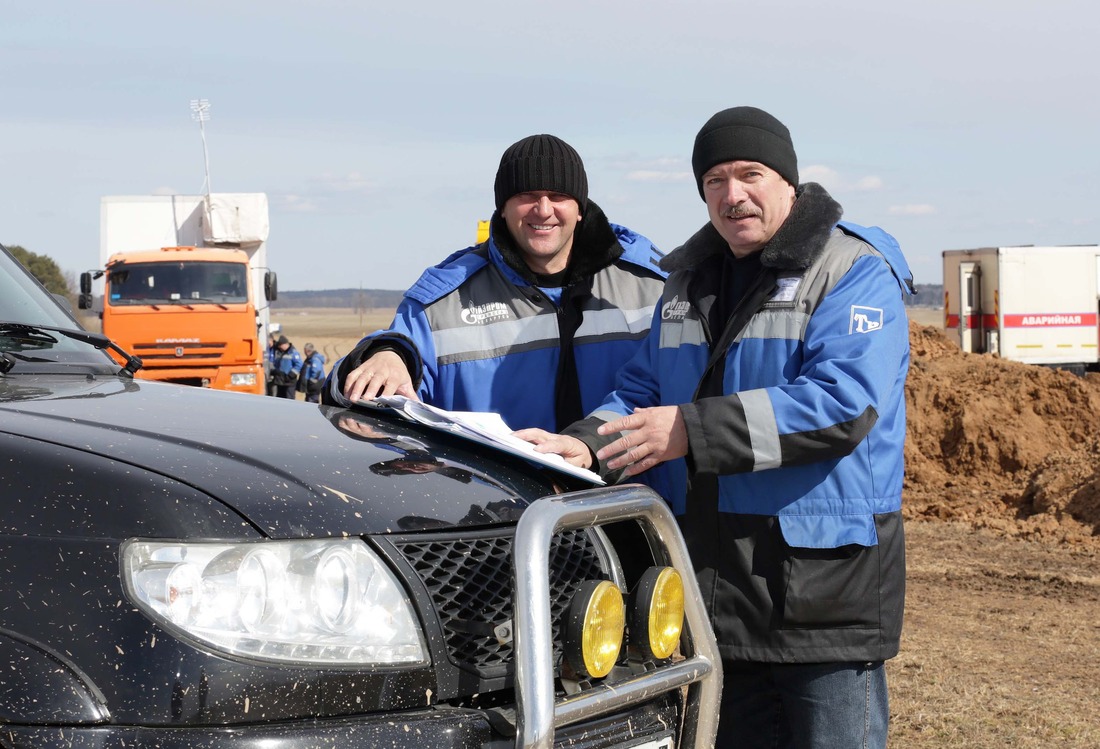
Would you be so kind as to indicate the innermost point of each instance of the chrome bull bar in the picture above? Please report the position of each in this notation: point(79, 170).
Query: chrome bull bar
point(538, 713)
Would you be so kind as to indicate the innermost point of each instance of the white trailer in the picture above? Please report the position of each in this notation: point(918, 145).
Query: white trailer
point(1037, 305)
point(132, 223)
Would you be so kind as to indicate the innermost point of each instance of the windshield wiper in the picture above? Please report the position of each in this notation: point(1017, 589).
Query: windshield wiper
point(40, 334)
point(8, 360)
point(26, 333)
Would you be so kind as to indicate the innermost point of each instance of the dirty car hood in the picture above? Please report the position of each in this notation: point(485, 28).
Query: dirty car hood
point(292, 469)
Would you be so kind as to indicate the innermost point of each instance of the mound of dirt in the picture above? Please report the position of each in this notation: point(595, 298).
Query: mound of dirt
point(1001, 445)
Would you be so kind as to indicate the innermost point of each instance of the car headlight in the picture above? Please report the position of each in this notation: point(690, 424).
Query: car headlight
point(242, 379)
point(312, 602)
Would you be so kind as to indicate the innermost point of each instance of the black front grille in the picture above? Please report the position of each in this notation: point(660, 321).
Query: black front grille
point(469, 579)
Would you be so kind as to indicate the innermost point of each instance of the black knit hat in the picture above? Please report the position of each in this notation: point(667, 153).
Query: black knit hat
point(541, 162)
point(744, 134)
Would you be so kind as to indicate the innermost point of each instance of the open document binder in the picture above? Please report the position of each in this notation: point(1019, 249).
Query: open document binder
point(483, 427)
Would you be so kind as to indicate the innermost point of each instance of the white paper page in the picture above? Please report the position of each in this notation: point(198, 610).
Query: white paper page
point(481, 426)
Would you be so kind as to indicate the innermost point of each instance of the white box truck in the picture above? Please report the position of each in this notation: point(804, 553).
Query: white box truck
point(1036, 305)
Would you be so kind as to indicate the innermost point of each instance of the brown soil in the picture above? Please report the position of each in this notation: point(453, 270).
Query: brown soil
point(1000, 445)
point(1001, 644)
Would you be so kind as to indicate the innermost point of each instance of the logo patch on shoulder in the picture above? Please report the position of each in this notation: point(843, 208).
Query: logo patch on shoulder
point(864, 319)
point(675, 309)
point(485, 313)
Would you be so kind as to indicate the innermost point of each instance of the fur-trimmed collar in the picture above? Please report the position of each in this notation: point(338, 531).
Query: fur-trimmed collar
point(795, 246)
point(595, 246)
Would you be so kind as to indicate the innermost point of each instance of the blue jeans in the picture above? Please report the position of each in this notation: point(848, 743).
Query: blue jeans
point(803, 706)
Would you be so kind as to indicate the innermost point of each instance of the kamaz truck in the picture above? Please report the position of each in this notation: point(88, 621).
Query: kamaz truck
point(186, 286)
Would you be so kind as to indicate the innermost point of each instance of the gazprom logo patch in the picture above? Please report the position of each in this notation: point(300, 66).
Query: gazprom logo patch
point(485, 313)
point(675, 309)
point(864, 319)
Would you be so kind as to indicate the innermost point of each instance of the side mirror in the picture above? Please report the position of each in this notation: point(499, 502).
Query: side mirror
point(84, 301)
point(85, 284)
point(271, 286)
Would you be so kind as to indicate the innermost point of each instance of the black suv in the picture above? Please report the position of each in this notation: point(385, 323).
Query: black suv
point(182, 567)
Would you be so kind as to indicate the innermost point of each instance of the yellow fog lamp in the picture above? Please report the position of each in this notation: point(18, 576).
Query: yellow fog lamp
point(657, 613)
point(594, 626)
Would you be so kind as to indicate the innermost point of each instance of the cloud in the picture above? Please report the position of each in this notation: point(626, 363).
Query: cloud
point(660, 169)
point(834, 181)
point(912, 209)
point(327, 193)
point(661, 163)
point(337, 183)
point(652, 175)
point(818, 173)
point(297, 204)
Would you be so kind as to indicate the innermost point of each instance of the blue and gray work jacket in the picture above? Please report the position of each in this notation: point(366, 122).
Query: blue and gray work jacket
point(794, 407)
point(480, 334)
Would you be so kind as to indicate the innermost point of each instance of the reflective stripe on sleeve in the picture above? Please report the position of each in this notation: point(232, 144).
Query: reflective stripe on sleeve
point(763, 432)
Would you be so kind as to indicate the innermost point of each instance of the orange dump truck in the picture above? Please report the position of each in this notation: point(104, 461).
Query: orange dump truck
point(186, 287)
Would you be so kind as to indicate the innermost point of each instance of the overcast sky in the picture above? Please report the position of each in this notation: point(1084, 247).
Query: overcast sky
point(375, 128)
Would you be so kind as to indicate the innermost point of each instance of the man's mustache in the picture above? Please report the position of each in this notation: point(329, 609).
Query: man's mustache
point(738, 211)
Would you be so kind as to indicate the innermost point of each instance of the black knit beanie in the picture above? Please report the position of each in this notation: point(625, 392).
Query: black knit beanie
point(744, 134)
point(541, 162)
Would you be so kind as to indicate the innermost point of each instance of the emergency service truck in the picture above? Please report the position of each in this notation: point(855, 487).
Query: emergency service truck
point(1036, 305)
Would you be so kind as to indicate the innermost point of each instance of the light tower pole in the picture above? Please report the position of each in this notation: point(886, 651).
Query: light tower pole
point(200, 112)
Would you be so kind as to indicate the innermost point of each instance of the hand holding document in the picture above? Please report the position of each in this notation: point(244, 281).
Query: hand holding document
point(480, 426)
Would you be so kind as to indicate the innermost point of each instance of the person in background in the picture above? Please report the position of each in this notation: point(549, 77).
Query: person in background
point(773, 379)
point(269, 363)
point(286, 368)
point(532, 324)
point(312, 378)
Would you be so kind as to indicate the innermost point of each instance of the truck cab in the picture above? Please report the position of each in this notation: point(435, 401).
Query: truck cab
point(186, 286)
point(189, 314)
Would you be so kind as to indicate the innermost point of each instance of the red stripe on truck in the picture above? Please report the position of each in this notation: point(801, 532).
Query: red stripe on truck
point(1052, 320)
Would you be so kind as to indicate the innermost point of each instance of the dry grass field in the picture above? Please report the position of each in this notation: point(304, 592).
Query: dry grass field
point(926, 315)
point(333, 332)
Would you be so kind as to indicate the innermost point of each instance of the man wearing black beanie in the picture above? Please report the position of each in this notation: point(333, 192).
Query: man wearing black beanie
point(783, 339)
point(532, 324)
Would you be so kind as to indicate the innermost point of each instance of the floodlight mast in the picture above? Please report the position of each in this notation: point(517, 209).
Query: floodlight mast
point(200, 112)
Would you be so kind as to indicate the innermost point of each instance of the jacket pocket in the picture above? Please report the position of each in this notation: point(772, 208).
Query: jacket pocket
point(831, 587)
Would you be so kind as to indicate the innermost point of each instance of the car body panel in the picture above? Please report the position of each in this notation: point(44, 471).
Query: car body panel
point(304, 471)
